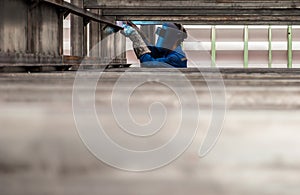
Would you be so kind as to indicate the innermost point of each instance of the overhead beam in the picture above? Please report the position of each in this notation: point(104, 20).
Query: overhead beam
point(202, 11)
point(192, 4)
point(219, 20)
point(70, 8)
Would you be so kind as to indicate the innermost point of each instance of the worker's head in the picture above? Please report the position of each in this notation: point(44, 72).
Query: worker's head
point(171, 35)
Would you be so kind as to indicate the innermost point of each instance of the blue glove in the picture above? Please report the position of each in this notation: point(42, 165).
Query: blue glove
point(109, 30)
point(128, 30)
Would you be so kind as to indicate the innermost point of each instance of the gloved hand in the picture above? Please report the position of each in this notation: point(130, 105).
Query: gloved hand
point(128, 30)
point(139, 45)
point(109, 30)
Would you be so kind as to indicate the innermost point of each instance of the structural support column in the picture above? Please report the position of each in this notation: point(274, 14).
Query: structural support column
point(107, 46)
point(95, 37)
point(112, 47)
point(77, 32)
point(61, 34)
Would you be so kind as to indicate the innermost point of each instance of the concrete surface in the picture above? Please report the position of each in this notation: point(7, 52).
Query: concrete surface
point(257, 153)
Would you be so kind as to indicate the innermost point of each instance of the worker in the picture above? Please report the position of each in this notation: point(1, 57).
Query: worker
point(168, 50)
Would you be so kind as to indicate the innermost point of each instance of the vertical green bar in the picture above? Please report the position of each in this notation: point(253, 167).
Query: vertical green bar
point(213, 46)
point(290, 47)
point(246, 47)
point(270, 47)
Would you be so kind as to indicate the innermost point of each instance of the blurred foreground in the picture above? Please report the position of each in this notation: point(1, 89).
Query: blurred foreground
point(257, 153)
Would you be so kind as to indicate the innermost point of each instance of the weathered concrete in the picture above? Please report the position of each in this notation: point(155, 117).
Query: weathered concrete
point(77, 32)
point(95, 37)
point(29, 33)
point(13, 26)
point(41, 152)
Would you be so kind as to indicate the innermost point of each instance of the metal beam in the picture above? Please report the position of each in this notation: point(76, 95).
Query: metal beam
point(202, 11)
point(192, 4)
point(68, 7)
point(220, 20)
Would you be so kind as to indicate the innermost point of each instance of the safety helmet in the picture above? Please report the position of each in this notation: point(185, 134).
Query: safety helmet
point(170, 35)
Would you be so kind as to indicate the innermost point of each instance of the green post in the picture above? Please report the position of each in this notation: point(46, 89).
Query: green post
point(246, 47)
point(213, 46)
point(290, 47)
point(270, 47)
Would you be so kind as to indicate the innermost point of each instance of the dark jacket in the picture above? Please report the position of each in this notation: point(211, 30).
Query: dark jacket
point(163, 58)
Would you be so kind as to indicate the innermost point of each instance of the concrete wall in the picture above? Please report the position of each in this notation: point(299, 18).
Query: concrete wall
point(13, 26)
point(44, 37)
point(29, 34)
point(77, 32)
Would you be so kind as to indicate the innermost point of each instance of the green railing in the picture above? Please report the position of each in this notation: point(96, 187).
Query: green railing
point(246, 46)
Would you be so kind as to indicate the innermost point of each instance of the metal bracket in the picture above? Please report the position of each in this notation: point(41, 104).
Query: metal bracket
point(86, 21)
point(33, 3)
point(67, 13)
point(88, 16)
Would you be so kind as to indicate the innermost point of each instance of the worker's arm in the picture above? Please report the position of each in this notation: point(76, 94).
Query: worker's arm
point(139, 45)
